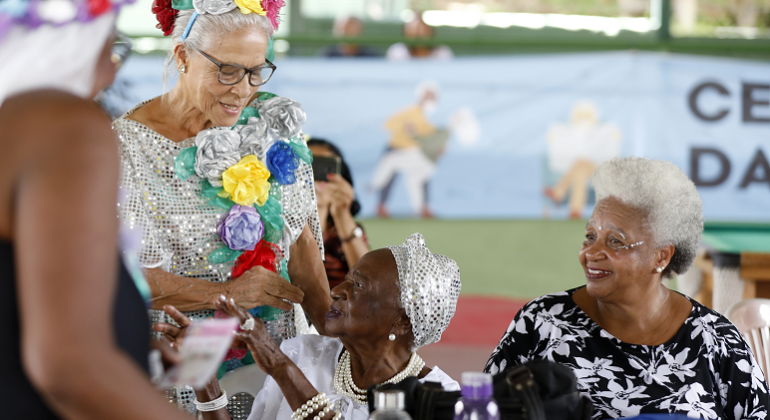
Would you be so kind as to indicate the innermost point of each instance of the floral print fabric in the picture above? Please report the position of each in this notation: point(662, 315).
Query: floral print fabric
point(705, 371)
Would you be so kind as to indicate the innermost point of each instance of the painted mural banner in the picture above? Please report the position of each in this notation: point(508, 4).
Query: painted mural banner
point(520, 136)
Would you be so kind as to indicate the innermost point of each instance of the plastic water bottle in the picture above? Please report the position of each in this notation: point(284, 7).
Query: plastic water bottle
point(389, 405)
point(476, 402)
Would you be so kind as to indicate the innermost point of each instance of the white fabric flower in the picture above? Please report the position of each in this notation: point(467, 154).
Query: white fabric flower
point(254, 139)
point(284, 117)
point(214, 7)
point(218, 149)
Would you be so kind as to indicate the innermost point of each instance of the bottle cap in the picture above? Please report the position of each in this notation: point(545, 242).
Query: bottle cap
point(389, 400)
point(476, 385)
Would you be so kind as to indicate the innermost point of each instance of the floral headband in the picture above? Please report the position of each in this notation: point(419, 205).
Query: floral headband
point(166, 11)
point(34, 13)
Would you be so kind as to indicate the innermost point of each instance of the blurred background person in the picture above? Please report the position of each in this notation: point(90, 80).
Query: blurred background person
point(74, 324)
point(416, 29)
point(575, 149)
point(415, 145)
point(348, 27)
point(344, 238)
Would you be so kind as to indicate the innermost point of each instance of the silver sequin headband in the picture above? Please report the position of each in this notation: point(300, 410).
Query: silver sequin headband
point(430, 285)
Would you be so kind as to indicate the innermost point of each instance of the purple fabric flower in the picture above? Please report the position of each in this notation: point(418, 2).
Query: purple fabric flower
point(242, 228)
point(282, 162)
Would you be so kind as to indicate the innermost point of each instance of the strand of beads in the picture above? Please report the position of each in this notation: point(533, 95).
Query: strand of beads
point(343, 378)
point(318, 403)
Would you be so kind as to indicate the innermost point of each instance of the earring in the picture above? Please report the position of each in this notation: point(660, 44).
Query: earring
point(182, 68)
point(392, 337)
point(659, 269)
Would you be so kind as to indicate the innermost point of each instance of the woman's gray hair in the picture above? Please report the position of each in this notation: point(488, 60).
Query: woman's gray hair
point(671, 204)
point(208, 28)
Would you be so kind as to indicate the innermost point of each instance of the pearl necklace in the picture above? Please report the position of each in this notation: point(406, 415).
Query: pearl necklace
point(343, 378)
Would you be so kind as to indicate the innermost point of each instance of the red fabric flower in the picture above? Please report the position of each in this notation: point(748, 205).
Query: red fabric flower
point(264, 254)
point(97, 7)
point(165, 14)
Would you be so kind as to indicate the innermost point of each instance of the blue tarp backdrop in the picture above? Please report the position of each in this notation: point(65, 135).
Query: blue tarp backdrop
point(526, 131)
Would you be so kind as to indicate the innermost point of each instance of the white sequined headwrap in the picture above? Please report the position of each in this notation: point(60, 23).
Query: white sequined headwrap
point(430, 286)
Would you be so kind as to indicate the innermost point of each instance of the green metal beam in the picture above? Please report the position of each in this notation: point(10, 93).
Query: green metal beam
point(708, 46)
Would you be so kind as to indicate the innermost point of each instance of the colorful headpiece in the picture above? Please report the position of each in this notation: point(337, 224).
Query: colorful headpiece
point(430, 286)
point(166, 11)
point(33, 13)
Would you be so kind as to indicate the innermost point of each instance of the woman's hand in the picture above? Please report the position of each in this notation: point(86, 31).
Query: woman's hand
point(173, 334)
point(260, 286)
point(340, 195)
point(169, 356)
point(336, 195)
point(267, 355)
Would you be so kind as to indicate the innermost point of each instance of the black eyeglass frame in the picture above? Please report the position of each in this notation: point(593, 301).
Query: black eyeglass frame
point(246, 71)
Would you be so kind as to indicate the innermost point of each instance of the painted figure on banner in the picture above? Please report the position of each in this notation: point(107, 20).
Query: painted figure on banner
point(575, 149)
point(415, 146)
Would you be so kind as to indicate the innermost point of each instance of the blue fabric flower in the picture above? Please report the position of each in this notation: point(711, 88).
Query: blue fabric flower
point(282, 161)
point(242, 228)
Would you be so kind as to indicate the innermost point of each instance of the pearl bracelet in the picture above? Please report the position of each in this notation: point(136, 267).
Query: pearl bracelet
point(312, 405)
point(212, 405)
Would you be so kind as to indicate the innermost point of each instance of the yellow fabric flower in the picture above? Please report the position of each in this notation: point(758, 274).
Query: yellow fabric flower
point(249, 6)
point(246, 181)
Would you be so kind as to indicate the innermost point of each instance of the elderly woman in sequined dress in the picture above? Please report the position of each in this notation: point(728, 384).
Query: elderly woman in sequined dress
point(393, 301)
point(224, 211)
point(636, 346)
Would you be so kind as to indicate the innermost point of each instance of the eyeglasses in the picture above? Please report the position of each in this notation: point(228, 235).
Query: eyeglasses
point(231, 74)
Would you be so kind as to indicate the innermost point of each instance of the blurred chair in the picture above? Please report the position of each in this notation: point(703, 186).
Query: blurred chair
point(242, 385)
point(752, 318)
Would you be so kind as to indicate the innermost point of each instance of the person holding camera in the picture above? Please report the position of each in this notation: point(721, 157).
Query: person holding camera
point(344, 239)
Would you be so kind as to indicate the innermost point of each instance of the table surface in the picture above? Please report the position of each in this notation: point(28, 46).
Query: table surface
point(735, 238)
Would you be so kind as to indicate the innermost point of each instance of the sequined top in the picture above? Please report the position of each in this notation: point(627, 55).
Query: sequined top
point(180, 227)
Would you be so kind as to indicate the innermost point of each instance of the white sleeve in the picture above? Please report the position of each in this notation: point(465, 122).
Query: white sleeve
point(446, 381)
point(267, 402)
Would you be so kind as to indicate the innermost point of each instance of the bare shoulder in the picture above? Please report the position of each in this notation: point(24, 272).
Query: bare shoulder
point(55, 121)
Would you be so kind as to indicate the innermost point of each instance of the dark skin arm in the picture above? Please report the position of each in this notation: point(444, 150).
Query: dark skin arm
point(64, 232)
point(306, 271)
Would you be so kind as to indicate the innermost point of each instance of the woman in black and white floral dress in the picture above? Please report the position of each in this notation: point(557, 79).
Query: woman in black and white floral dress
point(636, 346)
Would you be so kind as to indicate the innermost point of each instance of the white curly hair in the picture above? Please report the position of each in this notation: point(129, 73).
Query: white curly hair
point(669, 200)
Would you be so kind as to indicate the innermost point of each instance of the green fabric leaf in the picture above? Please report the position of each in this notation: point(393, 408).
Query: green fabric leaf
point(248, 359)
point(300, 148)
point(213, 194)
point(223, 255)
point(184, 164)
point(247, 113)
point(222, 370)
point(208, 190)
point(270, 51)
point(182, 4)
point(270, 213)
point(263, 96)
point(222, 203)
